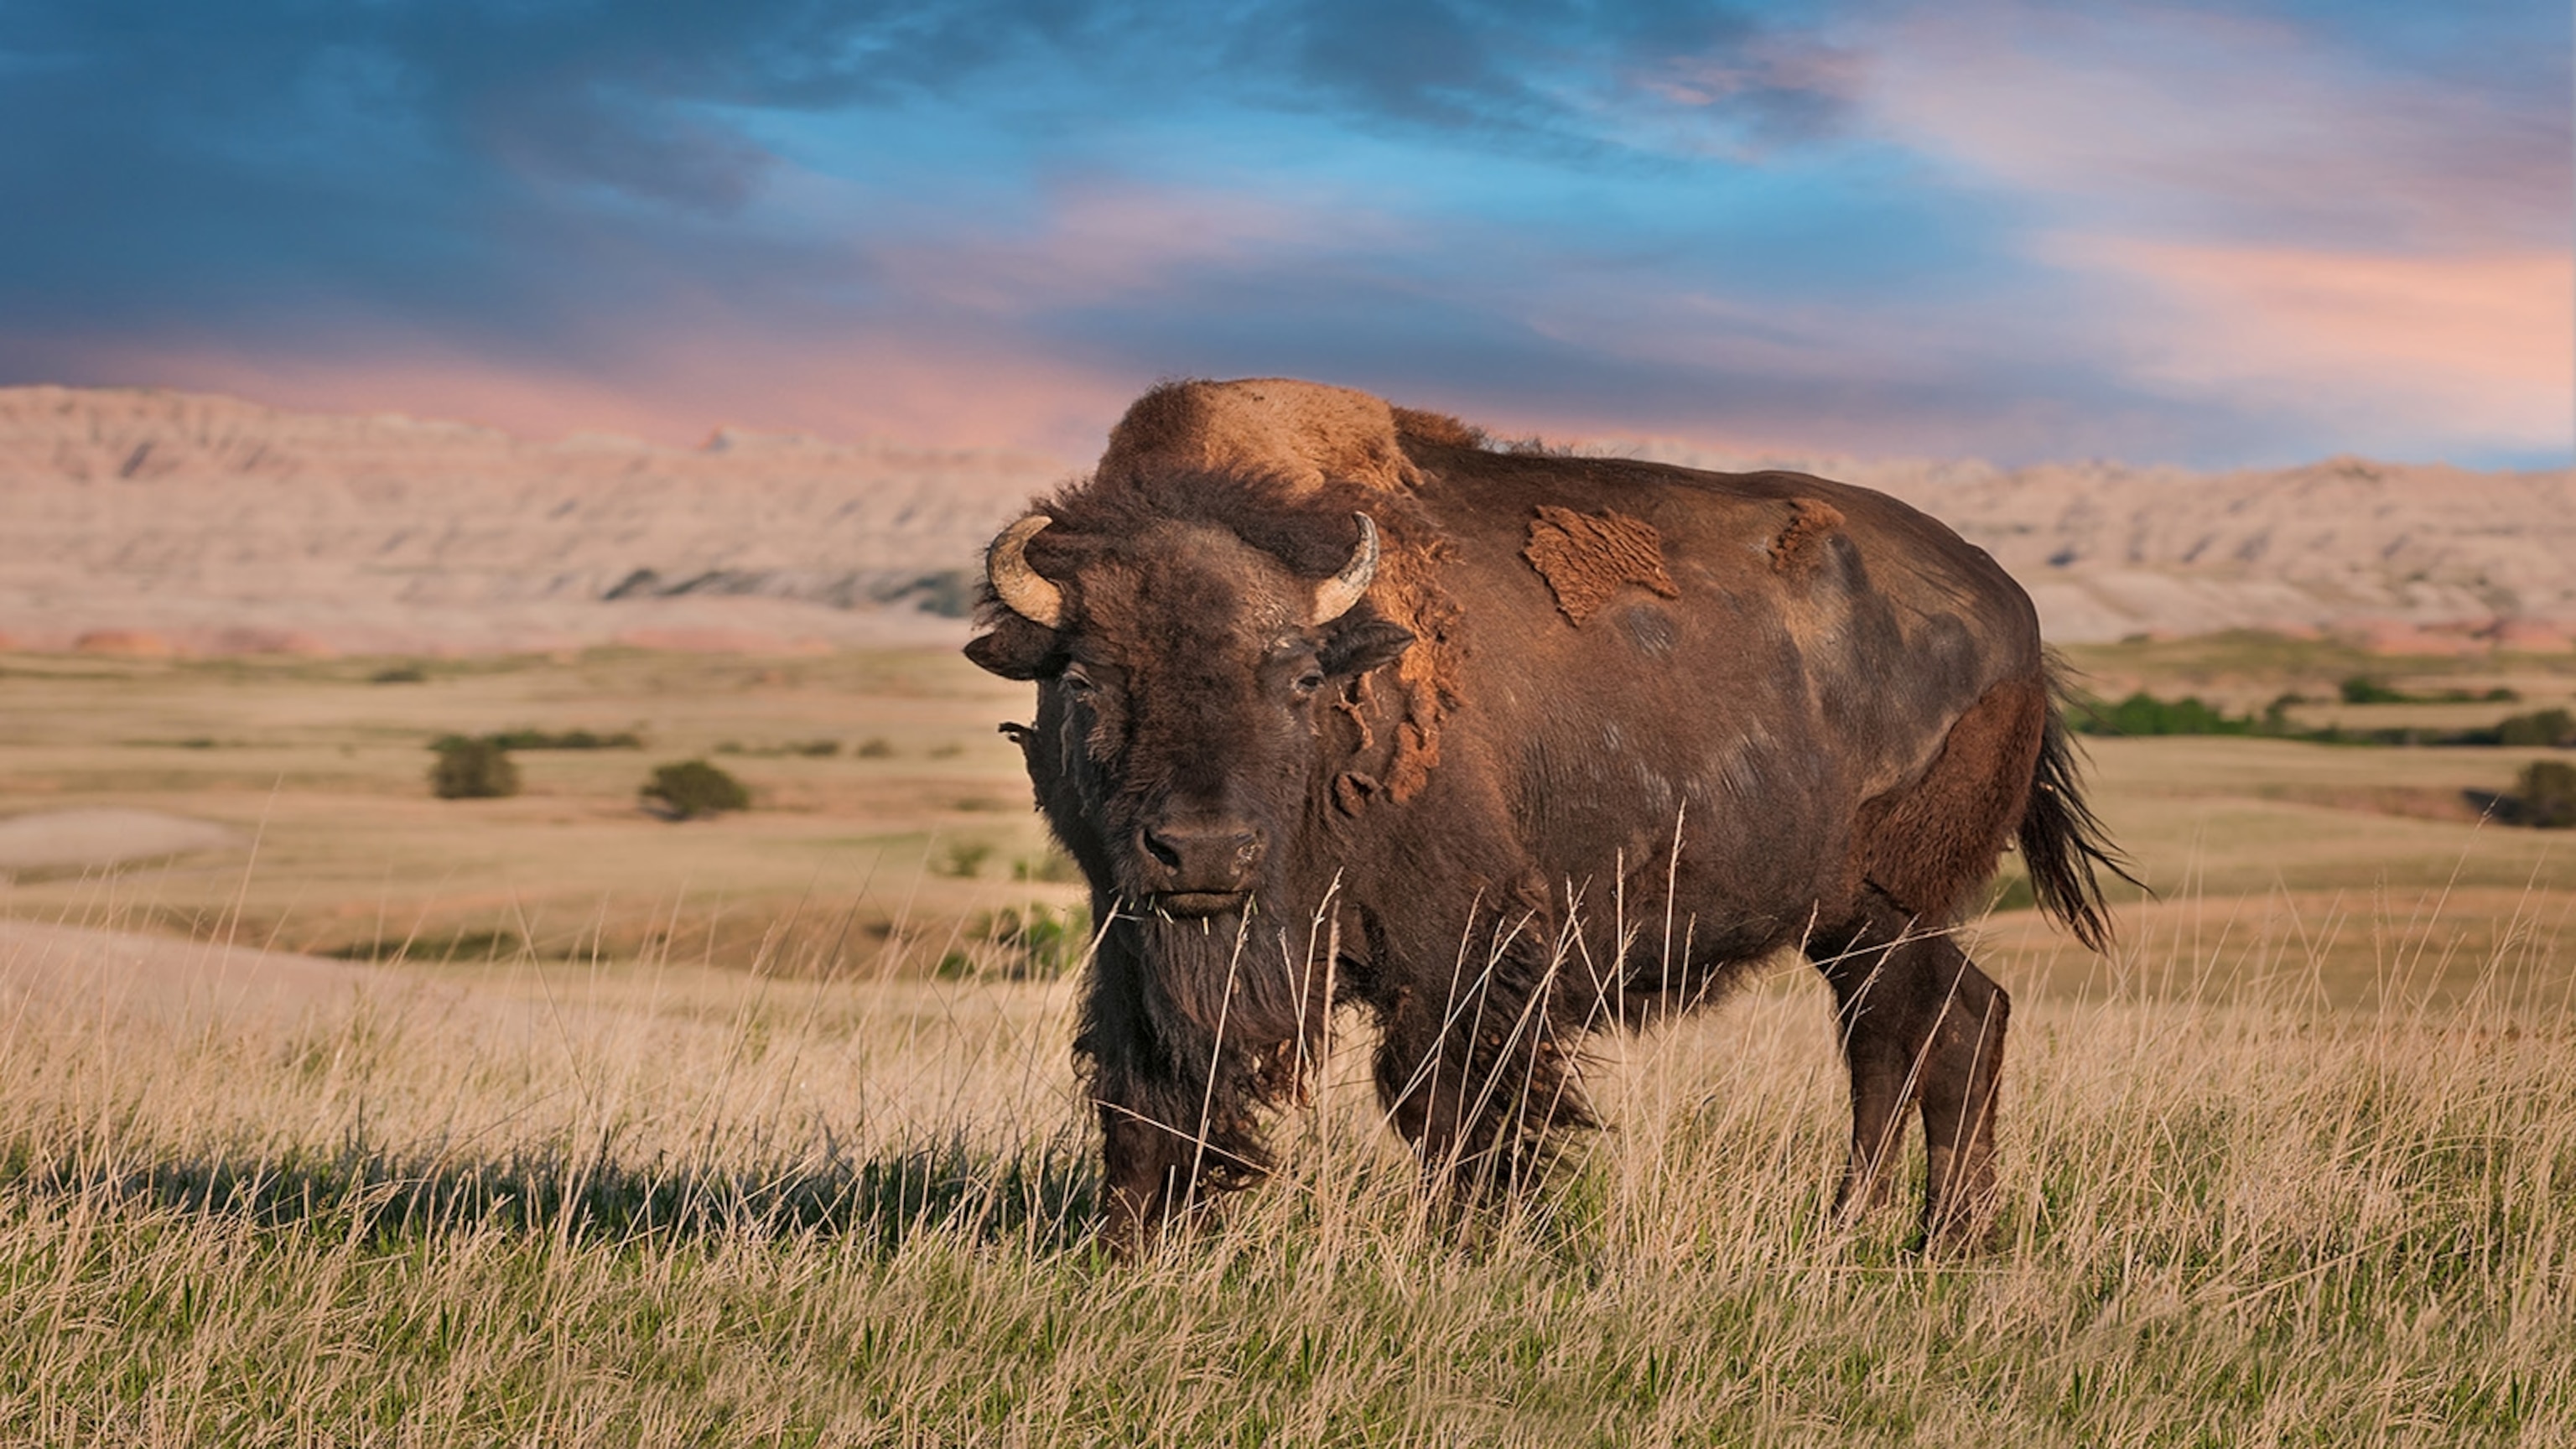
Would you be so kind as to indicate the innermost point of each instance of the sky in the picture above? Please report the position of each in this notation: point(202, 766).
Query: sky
point(2232, 235)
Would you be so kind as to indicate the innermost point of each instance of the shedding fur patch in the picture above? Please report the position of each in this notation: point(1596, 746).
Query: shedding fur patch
point(1587, 557)
point(1352, 789)
point(1801, 546)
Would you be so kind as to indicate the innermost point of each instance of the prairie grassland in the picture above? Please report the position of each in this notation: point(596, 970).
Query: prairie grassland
point(543, 1203)
point(905, 845)
point(327, 771)
point(2294, 1166)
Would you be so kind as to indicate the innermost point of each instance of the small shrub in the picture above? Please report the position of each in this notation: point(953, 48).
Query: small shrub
point(1052, 866)
point(803, 749)
point(472, 770)
point(2545, 796)
point(533, 739)
point(1029, 943)
point(400, 674)
point(1042, 944)
point(693, 788)
point(948, 751)
point(875, 749)
point(965, 858)
point(2362, 689)
point(2144, 714)
point(2541, 727)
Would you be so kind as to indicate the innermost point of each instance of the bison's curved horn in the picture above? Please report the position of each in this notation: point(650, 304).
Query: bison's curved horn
point(1334, 596)
point(1019, 586)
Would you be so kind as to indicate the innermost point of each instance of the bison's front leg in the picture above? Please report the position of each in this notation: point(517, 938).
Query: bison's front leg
point(1920, 1025)
point(1478, 1078)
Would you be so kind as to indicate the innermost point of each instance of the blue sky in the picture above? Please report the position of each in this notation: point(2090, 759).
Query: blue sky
point(2222, 236)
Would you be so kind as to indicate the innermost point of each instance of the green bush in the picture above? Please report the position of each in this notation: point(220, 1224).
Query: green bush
point(2362, 689)
point(2542, 727)
point(2144, 714)
point(694, 788)
point(1051, 865)
point(965, 858)
point(2545, 797)
point(532, 739)
point(1032, 943)
point(472, 770)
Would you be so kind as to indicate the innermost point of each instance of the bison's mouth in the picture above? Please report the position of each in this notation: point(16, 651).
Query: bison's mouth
point(1200, 903)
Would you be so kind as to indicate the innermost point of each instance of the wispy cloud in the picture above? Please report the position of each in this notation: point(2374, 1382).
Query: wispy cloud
point(1882, 225)
point(2270, 219)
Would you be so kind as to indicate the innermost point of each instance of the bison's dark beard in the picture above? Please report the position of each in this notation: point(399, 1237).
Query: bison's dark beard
point(1241, 983)
point(1196, 1028)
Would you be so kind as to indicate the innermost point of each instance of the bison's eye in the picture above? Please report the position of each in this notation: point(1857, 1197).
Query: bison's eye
point(1308, 682)
point(1077, 683)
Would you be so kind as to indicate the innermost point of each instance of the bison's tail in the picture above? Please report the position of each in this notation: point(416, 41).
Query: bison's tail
point(2063, 843)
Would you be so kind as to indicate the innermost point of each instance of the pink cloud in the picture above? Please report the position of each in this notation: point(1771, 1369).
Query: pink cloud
point(2260, 218)
point(2479, 345)
point(675, 389)
point(1099, 242)
point(2189, 124)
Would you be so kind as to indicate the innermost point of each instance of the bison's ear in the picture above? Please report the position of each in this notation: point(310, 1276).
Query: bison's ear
point(1016, 649)
point(1363, 644)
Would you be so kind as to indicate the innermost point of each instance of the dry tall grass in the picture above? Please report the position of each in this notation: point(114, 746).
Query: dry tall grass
point(649, 1204)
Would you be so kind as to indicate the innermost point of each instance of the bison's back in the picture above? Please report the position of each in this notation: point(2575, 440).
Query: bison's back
point(1755, 655)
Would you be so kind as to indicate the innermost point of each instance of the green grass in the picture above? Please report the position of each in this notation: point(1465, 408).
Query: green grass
point(762, 1130)
point(572, 1205)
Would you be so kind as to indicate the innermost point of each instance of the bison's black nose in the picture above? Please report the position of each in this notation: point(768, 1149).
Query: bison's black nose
point(1200, 857)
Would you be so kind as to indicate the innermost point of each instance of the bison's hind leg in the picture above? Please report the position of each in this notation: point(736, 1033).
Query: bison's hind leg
point(1921, 1027)
point(1932, 842)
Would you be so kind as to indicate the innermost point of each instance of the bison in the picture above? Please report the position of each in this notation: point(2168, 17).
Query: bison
point(1339, 704)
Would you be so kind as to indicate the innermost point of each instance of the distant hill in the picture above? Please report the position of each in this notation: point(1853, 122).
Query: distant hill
point(2385, 551)
point(213, 524)
point(148, 520)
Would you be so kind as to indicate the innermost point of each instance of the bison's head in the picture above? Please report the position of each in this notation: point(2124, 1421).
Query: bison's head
point(1183, 680)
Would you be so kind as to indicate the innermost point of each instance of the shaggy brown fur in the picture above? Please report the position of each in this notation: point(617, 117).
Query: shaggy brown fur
point(1586, 558)
point(1317, 440)
point(1821, 713)
point(1801, 545)
point(1301, 432)
point(1439, 430)
point(1913, 846)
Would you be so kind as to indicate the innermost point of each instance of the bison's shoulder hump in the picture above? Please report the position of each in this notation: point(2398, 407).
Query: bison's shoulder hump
point(1301, 433)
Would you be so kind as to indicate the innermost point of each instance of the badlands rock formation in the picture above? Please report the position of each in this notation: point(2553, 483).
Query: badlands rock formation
point(144, 522)
point(2411, 556)
point(137, 520)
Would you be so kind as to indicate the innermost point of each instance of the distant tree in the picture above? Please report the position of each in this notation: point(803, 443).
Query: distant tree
point(2144, 714)
point(472, 770)
point(694, 788)
point(2545, 797)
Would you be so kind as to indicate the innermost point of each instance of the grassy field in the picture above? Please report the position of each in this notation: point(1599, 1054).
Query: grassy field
point(2294, 1166)
point(914, 829)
